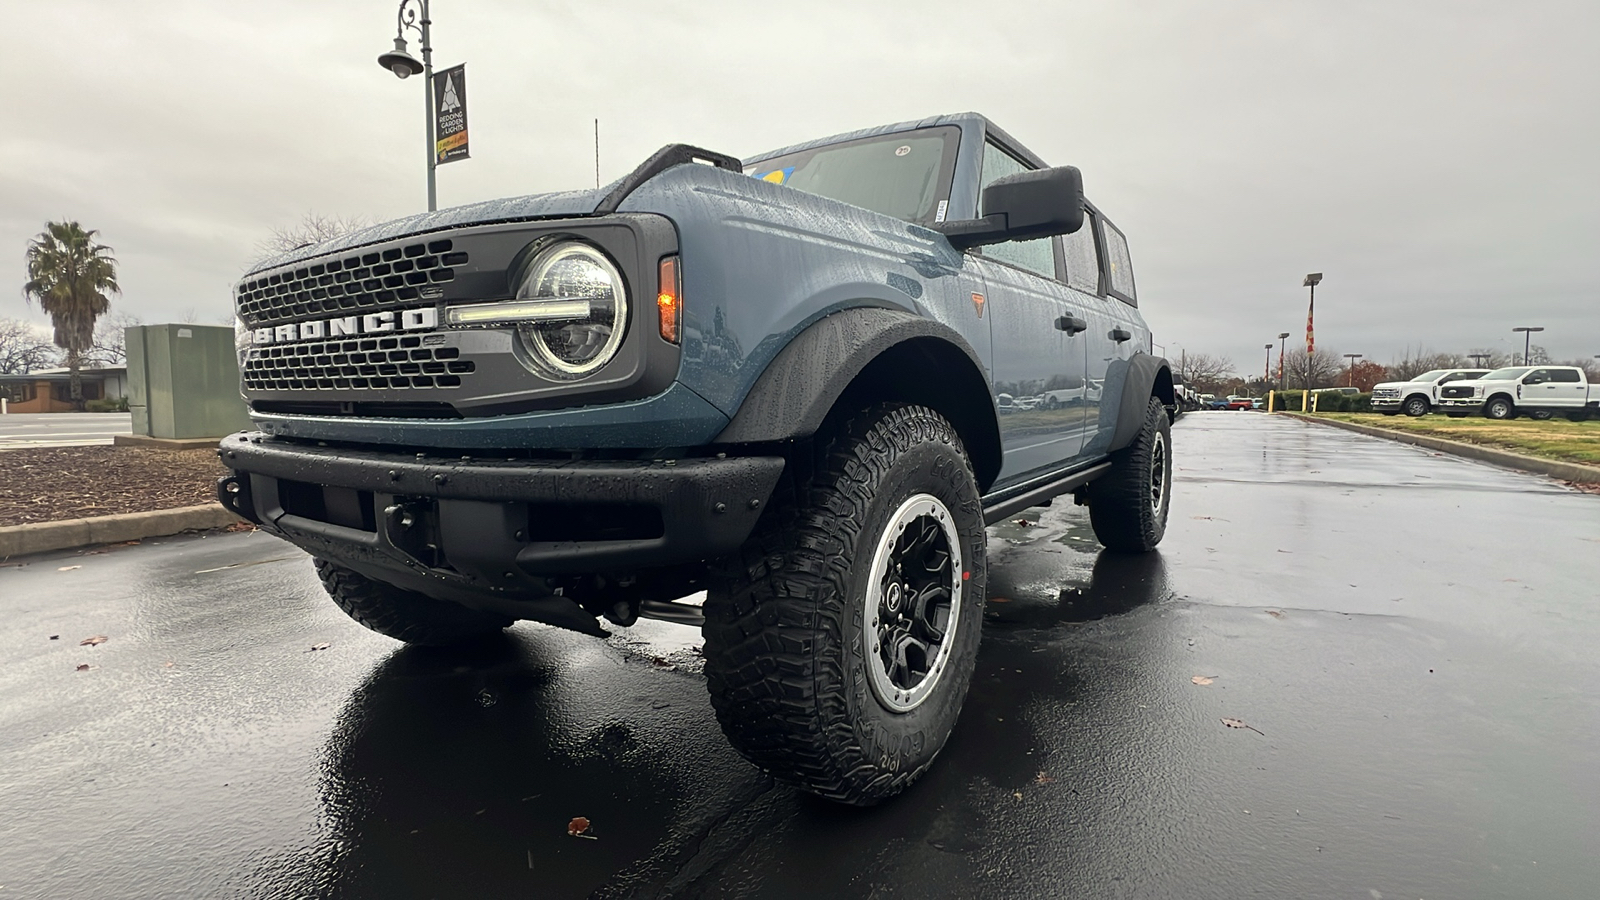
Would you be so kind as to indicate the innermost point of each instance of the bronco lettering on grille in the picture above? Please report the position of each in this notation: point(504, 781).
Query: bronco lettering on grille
point(371, 323)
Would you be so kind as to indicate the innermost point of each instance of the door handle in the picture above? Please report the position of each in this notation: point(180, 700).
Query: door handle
point(1071, 324)
point(1119, 335)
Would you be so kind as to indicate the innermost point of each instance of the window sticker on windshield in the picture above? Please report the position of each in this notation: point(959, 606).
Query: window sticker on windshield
point(777, 176)
point(943, 205)
point(902, 150)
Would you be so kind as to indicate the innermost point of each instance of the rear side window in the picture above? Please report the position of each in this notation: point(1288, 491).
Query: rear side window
point(1083, 259)
point(1037, 255)
point(1568, 376)
point(1119, 267)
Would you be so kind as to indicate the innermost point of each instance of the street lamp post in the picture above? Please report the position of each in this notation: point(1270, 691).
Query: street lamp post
point(1478, 359)
point(1283, 342)
point(1527, 338)
point(1352, 364)
point(413, 14)
point(1266, 377)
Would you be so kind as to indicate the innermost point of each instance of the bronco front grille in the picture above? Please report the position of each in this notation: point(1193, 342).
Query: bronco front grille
point(356, 364)
point(373, 279)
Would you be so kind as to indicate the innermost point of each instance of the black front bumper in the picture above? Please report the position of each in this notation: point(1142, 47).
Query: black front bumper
point(474, 524)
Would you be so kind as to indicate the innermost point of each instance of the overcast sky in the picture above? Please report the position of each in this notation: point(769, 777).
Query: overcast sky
point(1437, 160)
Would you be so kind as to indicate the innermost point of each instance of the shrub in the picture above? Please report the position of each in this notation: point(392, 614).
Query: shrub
point(118, 405)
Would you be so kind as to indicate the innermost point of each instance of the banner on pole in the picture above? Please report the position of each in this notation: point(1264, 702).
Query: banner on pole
point(450, 114)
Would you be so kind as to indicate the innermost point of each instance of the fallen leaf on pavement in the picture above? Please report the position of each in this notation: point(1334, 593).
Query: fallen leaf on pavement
point(84, 667)
point(95, 641)
point(316, 647)
point(578, 826)
point(999, 599)
point(1235, 723)
point(68, 568)
point(55, 637)
point(1275, 614)
point(1025, 523)
point(1203, 679)
point(1042, 778)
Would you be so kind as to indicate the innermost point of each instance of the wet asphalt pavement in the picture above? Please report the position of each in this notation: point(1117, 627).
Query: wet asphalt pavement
point(1411, 637)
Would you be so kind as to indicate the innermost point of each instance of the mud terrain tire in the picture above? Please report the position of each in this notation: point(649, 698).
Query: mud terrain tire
point(404, 615)
point(1128, 506)
point(809, 675)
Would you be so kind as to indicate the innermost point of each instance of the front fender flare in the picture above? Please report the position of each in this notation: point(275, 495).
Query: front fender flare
point(801, 384)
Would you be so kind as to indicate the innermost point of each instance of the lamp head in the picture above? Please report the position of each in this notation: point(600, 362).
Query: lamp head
point(1312, 280)
point(398, 61)
point(1283, 335)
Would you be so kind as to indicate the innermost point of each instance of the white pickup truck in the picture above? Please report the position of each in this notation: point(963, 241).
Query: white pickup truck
point(1537, 391)
point(1420, 395)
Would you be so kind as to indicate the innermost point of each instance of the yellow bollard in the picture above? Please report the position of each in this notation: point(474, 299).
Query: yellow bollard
point(1314, 399)
point(1305, 400)
point(1272, 404)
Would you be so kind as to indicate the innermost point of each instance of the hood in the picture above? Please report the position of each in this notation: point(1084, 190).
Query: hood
point(510, 209)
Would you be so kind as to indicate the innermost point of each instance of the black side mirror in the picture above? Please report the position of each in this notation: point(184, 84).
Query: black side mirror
point(1034, 204)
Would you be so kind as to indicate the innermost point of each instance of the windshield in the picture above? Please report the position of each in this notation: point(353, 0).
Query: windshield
point(1507, 374)
point(1430, 376)
point(905, 175)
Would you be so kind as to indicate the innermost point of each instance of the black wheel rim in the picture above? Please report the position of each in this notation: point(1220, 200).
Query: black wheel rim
point(910, 615)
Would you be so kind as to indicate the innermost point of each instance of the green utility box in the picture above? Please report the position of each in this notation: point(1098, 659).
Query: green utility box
point(183, 381)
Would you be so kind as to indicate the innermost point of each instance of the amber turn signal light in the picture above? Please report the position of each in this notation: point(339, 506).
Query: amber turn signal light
point(669, 300)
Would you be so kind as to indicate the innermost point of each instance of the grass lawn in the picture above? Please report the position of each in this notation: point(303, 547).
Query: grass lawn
point(1557, 438)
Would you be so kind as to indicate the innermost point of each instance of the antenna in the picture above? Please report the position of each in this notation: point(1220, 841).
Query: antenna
point(597, 153)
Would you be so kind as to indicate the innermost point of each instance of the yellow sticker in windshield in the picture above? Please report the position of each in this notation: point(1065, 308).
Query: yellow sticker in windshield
point(777, 176)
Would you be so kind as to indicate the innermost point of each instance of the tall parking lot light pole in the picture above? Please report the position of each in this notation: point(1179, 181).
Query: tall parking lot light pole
point(413, 14)
point(1352, 357)
point(1266, 377)
point(1312, 280)
point(1478, 359)
point(1283, 342)
point(1527, 338)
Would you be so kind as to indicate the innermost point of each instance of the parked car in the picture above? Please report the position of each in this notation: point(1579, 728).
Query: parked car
point(1537, 391)
point(1237, 402)
point(782, 381)
point(1420, 395)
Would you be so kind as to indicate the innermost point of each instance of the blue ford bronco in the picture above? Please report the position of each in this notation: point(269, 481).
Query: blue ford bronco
point(802, 383)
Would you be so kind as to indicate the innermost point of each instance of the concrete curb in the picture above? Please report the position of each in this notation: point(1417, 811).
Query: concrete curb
point(1565, 471)
point(140, 440)
point(67, 534)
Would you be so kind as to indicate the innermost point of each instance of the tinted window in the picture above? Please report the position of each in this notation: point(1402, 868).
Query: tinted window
point(1510, 373)
point(1568, 376)
point(1118, 265)
point(904, 175)
point(1083, 260)
point(1464, 376)
point(1037, 255)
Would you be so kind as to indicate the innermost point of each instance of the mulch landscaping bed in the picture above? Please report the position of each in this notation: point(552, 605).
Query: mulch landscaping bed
point(48, 484)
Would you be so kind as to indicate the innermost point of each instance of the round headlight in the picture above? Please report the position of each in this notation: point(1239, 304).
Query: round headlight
point(574, 347)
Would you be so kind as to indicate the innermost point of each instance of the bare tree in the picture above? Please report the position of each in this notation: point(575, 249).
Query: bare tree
point(1311, 370)
point(110, 342)
point(1417, 360)
point(1204, 372)
point(24, 348)
point(313, 228)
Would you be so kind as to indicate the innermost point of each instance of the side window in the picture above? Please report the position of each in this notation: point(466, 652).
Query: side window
point(1083, 259)
point(1037, 255)
point(1565, 376)
point(1118, 265)
point(1537, 376)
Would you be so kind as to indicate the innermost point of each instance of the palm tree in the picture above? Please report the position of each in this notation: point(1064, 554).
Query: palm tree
point(71, 275)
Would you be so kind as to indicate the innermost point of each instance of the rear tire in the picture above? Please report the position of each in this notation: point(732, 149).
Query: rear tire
point(1417, 405)
point(1499, 408)
point(1128, 506)
point(840, 641)
point(404, 615)
point(1541, 414)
